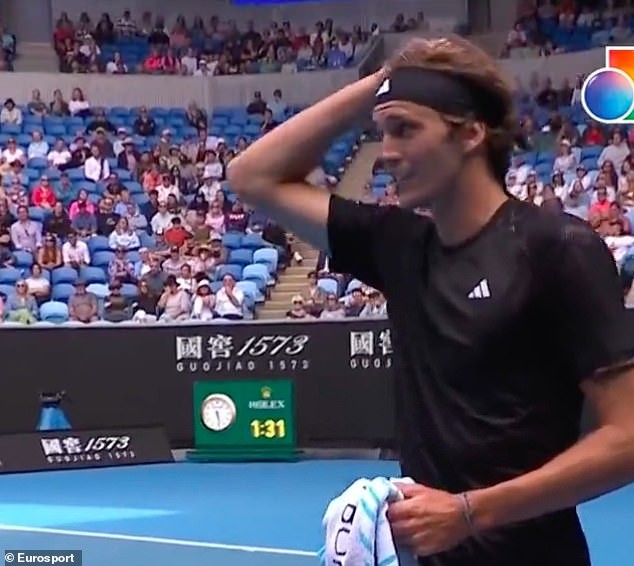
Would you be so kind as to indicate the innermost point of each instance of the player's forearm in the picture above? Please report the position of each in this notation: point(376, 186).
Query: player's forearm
point(599, 463)
point(289, 152)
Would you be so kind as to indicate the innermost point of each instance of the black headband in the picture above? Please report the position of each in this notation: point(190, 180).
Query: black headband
point(442, 91)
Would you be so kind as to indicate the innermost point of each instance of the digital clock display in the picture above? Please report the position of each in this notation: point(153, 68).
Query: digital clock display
point(268, 428)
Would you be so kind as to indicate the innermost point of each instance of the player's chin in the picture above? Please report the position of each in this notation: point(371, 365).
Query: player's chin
point(413, 193)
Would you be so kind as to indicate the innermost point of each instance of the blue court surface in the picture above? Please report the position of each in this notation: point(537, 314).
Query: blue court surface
point(219, 514)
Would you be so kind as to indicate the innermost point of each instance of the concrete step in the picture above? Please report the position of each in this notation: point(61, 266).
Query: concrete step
point(36, 58)
point(273, 314)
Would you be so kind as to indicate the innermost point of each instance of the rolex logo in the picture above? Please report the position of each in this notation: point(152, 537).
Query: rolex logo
point(266, 392)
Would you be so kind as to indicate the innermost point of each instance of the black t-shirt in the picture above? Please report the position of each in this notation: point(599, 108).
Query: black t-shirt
point(492, 339)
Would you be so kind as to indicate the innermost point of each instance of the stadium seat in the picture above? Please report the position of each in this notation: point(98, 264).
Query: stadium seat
point(90, 274)
point(62, 292)
point(232, 240)
point(267, 256)
point(328, 285)
point(250, 289)
point(63, 275)
point(23, 260)
point(9, 275)
point(257, 272)
point(100, 290)
point(253, 242)
point(54, 311)
point(102, 258)
point(229, 269)
point(98, 244)
point(241, 257)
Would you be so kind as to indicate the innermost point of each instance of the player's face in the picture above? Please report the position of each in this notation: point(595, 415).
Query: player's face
point(418, 150)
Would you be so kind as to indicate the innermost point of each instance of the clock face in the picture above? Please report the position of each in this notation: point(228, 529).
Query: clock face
point(218, 412)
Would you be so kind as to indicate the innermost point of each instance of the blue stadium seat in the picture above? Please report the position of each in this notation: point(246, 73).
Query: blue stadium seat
point(23, 260)
point(241, 256)
point(98, 244)
point(63, 275)
point(62, 292)
point(216, 286)
point(9, 275)
point(102, 258)
point(232, 240)
point(257, 272)
point(253, 242)
point(54, 311)
point(251, 294)
point(328, 285)
point(100, 290)
point(129, 291)
point(267, 256)
point(90, 274)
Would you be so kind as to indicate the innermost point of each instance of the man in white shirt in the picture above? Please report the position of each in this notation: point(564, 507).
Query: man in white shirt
point(96, 167)
point(214, 168)
point(75, 252)
point(166, 188)
point(162, 220)
point(13, 152)
point(59, 155)
point(209, 189)
point(230, 300)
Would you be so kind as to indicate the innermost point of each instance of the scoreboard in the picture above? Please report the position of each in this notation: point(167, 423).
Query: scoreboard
point(244, 420)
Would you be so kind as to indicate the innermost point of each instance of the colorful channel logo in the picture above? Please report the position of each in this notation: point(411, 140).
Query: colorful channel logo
point(607, 94)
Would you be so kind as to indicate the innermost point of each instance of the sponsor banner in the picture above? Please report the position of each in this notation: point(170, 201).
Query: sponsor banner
point(59, 450)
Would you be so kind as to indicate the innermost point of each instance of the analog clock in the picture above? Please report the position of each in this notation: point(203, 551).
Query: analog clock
point(218, 412)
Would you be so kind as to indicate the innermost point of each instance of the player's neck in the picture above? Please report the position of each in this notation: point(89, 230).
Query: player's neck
point(468, 207)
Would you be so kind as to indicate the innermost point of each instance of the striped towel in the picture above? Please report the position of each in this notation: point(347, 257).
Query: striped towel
point(357, 530)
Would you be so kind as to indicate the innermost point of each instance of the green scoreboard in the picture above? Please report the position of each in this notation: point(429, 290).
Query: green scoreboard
point(244, 420)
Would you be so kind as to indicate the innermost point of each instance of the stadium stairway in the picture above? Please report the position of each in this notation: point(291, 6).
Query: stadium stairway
point(293, 280)
point(36, 58)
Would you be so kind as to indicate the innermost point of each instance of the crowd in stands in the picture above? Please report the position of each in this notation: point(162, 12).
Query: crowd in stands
point(547, 27)
point(206, 48)
point(131, 222)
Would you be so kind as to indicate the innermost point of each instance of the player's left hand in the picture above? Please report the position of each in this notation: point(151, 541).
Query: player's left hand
point(428, 520)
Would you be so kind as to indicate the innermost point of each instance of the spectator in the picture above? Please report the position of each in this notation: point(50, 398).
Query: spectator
point(75, 252)
point(230, 299)
point(100, 122)
point(186, 281)
point(43, 195)
point(117, 65)
point(78, 105)
point(376, 307)
point(174, 303)
point(49, 256)
point(144, 125)
point(20, 306)
point(162, 220)
point(59, 107)
point(356, 303)
point(13, 153)
point(204, 302)
point(216, 219)
point(37, 107)
point(96, 167)
point(38, 286)
point(82, 305)
point(333, 309)
point(59, 155)
point(10, 113)
point(129, 158)
point(38, 146)
point(26, 234)
point(120, 268)
point(146, 304)
point(176, 235)
point(237, 219)
point(257, 105)
point(298, 309)
point(616, 151)
point(174, 263)
point(155, 278)
point(107, 219)
point(58, 223)
point(84, 221)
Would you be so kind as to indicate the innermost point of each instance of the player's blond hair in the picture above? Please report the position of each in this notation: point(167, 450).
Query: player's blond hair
point(462, 58)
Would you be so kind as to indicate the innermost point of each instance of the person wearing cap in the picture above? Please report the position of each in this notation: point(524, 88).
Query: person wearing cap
point(43, 194)
point(82, 305)
point(38, 147)
point(165, 142)
point(129, 158)
point(204, 302)
point(10, 114)
point(118, 144)
point(167, 187)
point(376, 306)
point(566, 161)
point(59, 154)
point(488, 411)
point(116, 307)
point(100, 122)
point(144, 125)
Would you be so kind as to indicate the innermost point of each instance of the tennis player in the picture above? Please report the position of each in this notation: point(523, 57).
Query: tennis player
point(505, 317)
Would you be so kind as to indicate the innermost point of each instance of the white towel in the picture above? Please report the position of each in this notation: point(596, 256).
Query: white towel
point(357, 529)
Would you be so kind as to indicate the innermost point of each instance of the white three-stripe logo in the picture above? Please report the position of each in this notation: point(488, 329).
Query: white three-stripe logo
point(480, 291)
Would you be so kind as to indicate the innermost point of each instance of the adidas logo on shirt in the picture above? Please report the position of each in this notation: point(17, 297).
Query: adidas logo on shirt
point(480, 291)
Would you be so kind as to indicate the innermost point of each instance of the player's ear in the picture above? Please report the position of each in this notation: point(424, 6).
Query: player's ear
point(473, 135)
